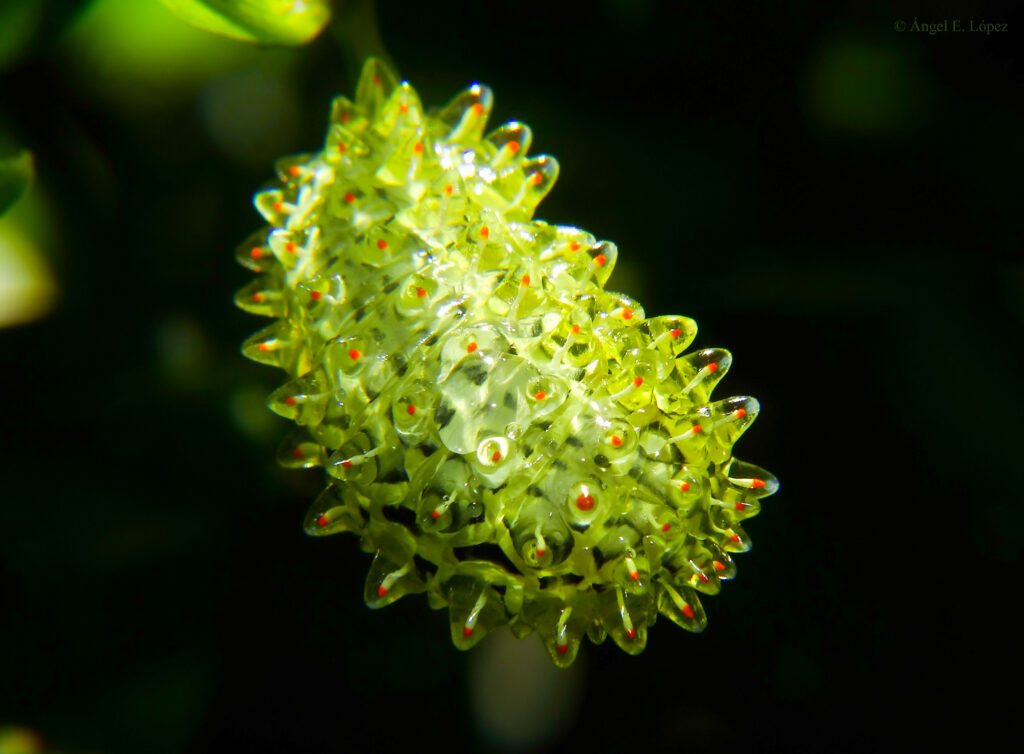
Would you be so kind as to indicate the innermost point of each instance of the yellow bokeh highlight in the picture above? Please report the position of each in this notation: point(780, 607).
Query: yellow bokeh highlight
point(28, 289)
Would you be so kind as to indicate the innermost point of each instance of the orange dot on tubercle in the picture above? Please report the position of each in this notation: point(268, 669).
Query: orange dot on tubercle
point(638, 381)
point(585, 502)
point(540, 395)
point(536, 178)
point(278, 206)
point(448, 189)
point(631, 633)
point(712, 367)
point(257, 297)
point(718, 564)
point(513, 146)
point(703, 577)
point(382, 244)
point(756, 483)
point(696, 429)
point(381, 591)
point(687, 611)
point(342, 148)
point(322, 520)
point(435, 514)
point(290, 400)
point(350, 197)
point(347, 464)
point(478, 109)
point(256, 253)
point(627, 314)
point(541, 552)
point(471, 347)
point(741, 506)
point(574, 245)
point(575, 329)
point(264, 347)
point(485, 232)
point(675, 332)
point(289, 247)
point(562, 648)
point(297, 453)
point(418, 147)
point(526, 280)
point(496, 456)
point(345, 117)
point(410, 409)
point(616, 441)
point(294, 170)
point(666, 527)
point(354, 354)
point(600, 260)
point(421, 292)
point(376, 79)
point(685, 487)
point(740, 413)
point(403, 108)
point(315, 295)
point(635, 575)
point(467, 631)
point(735, 538)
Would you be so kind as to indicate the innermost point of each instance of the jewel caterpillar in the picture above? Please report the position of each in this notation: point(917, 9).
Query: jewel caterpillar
point(501, 433)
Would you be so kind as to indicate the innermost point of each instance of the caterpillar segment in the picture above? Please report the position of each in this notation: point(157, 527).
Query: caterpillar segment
point(501, 433)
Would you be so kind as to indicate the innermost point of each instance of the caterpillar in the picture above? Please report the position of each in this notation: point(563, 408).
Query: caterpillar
point(499, 431)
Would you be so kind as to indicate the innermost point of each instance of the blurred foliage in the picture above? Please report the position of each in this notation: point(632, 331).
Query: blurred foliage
point(15, 176)
point(137, 54)
point(18, 22)
point(289, 22)
point(27, 288)
point(868, 87)
point(18, 740)
point(30, 25)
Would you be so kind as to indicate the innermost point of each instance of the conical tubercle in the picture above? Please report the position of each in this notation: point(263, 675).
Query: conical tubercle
point(470, 624)
point(627, 622)
point(561, 633)
point(391, 578)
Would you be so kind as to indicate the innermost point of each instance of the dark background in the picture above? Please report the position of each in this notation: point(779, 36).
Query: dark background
point(836, 202)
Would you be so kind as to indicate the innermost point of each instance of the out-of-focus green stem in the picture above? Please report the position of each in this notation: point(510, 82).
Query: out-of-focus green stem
point(354, 27)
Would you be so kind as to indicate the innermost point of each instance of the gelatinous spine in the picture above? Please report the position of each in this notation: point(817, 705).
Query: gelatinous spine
point(501, 433)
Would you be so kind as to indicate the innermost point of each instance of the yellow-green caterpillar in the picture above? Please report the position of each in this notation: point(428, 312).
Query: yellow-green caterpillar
point(503, 434)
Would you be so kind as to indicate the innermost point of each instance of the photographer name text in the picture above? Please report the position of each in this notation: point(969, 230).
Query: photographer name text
point(951, 26)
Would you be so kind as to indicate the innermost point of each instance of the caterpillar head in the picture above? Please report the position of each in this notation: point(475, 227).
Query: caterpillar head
point(499, 431)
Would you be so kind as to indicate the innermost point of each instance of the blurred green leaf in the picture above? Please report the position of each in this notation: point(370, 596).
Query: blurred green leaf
point(140, 55)
point(27, 25)
point(15, 176)
point(18, 22)
point(286, 22)
point(18, 740)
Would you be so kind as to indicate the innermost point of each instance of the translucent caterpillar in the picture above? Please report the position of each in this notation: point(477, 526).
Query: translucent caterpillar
point(499, 431)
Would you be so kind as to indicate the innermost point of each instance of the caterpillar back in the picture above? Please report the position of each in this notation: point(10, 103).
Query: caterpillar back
point(499, 431)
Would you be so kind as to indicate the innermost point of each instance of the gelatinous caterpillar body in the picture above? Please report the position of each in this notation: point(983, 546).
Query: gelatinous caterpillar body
point(503, 434)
